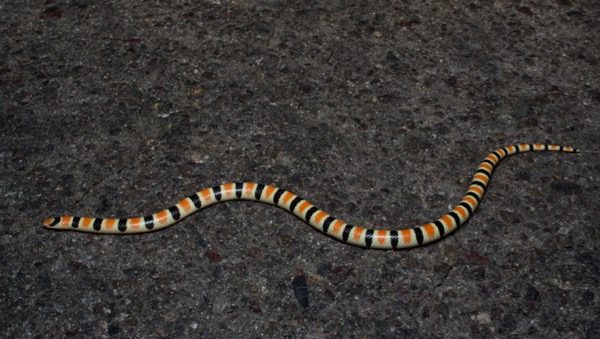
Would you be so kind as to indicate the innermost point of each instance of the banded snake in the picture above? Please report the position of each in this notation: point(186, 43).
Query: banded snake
point(303, 209)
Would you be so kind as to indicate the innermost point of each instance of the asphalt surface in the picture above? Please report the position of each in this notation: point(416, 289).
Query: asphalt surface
point(379, 113)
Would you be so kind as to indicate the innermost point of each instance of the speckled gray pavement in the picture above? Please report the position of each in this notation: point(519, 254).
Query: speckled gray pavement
point(378, 112)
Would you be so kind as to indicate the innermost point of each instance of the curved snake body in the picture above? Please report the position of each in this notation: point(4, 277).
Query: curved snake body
point(303, 209)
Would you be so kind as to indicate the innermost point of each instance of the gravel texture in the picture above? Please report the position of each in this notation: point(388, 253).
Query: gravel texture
point(378, 112)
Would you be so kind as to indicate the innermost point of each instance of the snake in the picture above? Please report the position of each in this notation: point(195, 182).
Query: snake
point(306, 211)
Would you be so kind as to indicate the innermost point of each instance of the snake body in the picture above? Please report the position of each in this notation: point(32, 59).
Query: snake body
point(303, 209)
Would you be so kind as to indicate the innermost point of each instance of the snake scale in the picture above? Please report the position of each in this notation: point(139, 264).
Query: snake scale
point(306, 211)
